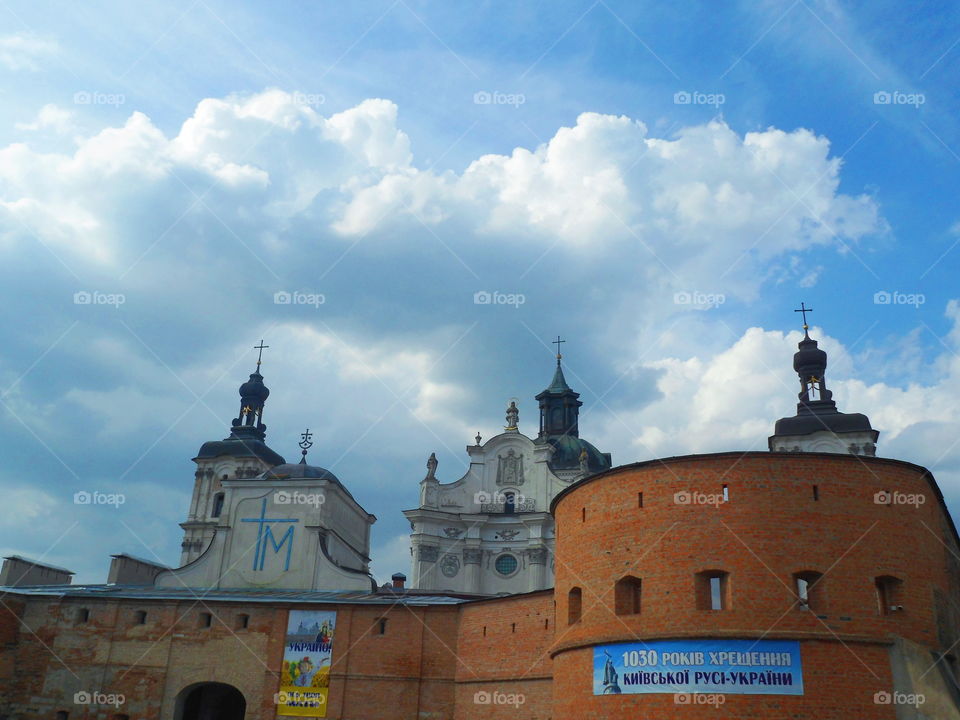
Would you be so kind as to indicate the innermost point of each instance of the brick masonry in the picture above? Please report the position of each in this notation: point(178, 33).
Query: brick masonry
point(508, 657)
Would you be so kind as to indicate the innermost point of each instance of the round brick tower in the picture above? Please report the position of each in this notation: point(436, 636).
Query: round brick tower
point(786, 585)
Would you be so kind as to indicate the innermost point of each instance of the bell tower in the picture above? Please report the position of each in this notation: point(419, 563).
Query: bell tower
point(559, 405)
point(818, 426)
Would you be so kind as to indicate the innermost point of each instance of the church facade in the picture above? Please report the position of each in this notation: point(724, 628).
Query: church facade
point(814, 580)
point(490, 531)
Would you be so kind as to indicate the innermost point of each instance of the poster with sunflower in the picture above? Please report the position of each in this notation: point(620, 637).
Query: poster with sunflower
point(305, 673)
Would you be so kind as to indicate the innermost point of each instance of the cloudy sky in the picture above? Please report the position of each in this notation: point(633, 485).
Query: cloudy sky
point(660, 185)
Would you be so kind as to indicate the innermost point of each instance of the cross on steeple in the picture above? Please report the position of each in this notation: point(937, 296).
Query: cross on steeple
point(306, 442)
point(804, 309)
point(261, 347)
point(557, 343)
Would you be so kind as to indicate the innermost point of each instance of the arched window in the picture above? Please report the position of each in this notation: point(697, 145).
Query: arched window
point(889, 594)
point(574, 605)
point(217, 505)
point(808, 586)
point(626, 594)
point(713, 590)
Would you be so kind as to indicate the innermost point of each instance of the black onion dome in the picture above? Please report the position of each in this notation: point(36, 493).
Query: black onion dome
point(254, 388)
point(809, 358)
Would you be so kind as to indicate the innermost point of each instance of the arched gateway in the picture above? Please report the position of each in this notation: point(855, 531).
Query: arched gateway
point(210, 701)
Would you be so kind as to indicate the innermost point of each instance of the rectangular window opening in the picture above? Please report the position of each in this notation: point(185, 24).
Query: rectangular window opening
point(640, 499)
point(816, 492)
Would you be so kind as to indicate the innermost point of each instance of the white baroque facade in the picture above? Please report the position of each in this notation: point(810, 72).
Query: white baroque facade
point(491, 531)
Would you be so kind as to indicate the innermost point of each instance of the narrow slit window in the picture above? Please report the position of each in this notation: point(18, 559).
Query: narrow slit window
point(726, 493)
point(382, 626)
point(816, 492)
point(640, 499)
point(574, 605)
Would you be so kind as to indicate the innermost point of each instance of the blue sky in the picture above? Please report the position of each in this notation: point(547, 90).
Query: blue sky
point(196, 158)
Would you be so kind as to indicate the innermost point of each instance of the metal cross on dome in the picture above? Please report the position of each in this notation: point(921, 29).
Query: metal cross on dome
point(804, 309)
point(557, 343)
point(261, 347)
point(305, 442)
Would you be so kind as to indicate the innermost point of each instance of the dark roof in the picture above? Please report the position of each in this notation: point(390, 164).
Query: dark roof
point(810, 419)
point(566, 455)
point(239, 447)
point(299, 471)
point(245, 595)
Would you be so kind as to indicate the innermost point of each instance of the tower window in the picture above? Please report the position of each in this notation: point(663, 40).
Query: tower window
point(816, 492)
point(726, 493)
point(889, 592)
point(583, 514)
point(510, 503)
point(640, 499)
point(627, 596)
point(382, 626)
point(83, 615)
point(574, 605)
point(712, 590)
point(62, 715)
point(513, 627)
point(217, 505)
point(140, 617)
point(809, 590)
point(243, 621)
point(205, 620)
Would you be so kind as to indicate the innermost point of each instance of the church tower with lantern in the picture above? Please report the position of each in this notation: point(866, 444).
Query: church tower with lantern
point(491, 531)
point(818, 426)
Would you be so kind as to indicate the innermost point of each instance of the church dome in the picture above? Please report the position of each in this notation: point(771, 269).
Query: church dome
point(566, 455)
point(299, 471)
point(254, 388)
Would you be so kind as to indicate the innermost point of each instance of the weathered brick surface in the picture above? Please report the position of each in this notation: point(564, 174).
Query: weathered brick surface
point(517, 657)
point(770, 528)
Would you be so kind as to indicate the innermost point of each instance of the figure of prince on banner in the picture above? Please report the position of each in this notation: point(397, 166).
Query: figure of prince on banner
point(305, 674)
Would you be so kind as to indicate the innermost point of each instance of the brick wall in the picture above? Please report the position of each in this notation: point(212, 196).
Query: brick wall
point(773, 525)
